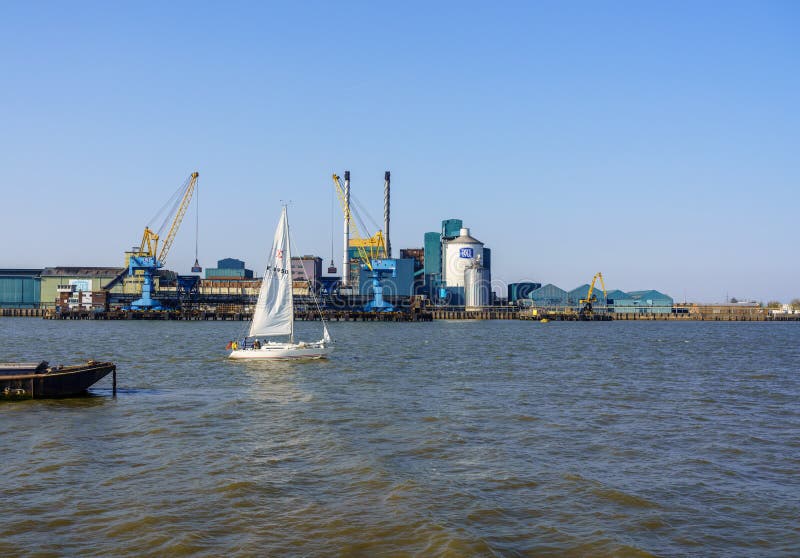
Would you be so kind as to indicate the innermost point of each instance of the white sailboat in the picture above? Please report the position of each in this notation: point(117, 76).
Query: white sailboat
point(274, 312)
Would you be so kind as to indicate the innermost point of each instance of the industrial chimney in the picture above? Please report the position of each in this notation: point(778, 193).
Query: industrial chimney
point(387, 180)
point(346, 256)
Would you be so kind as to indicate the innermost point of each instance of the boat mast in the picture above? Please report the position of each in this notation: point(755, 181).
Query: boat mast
point(287, 243)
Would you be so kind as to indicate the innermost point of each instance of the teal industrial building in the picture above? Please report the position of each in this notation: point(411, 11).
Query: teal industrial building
point(616, 301)
point(399, 283)
point(20, 288)
point(229, 268)
point(446, 286)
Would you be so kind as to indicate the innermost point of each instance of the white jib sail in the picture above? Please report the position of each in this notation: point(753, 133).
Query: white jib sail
point(273, 314)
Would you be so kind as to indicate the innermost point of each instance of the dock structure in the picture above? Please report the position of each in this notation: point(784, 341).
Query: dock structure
point(22, 312)
point(487, 313)
point(227, 315)
point(240, 312)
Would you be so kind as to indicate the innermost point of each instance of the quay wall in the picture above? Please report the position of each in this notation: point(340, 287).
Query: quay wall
point(244, 313)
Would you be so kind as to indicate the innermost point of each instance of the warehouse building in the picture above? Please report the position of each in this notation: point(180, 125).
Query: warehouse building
point(614, 295)
point(549, 295)
point(643, 302)
point(521, 291)
point(306, 274)
point(60, 284)
point(229, 269)
point(634, 302)
point(582, 293)
point(20, 288)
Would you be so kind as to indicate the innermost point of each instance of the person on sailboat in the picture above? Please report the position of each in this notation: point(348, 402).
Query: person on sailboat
point(256, 344)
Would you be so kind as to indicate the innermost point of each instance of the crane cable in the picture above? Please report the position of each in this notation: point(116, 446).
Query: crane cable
point(170, 208)
point(196, 219)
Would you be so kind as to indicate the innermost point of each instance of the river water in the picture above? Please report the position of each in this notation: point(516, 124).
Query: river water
point(436, 439)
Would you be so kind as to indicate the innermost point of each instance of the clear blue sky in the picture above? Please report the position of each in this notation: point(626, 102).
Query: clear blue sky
point(655, 142)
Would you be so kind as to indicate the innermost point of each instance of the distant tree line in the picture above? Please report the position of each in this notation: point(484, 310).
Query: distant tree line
point(772, 304)
point(794, 304)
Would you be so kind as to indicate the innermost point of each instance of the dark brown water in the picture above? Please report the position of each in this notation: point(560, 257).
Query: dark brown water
point(441, 439)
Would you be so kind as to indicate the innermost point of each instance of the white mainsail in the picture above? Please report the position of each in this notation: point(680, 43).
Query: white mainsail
point(274, 314)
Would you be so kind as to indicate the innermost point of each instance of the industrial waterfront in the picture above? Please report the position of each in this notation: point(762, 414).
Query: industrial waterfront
point(449, 277)
point(458, 438)
point(429, 280)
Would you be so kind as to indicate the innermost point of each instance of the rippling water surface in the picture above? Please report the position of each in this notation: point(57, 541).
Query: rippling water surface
point(439, 439)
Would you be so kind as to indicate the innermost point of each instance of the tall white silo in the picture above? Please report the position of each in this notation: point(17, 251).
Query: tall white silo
point(477, 286)
point(459, 253)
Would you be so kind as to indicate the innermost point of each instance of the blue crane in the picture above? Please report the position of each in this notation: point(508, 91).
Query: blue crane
point(369, 250)
point(148, 259)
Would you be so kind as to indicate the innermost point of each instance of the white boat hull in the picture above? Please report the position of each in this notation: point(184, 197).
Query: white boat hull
point(284, 351)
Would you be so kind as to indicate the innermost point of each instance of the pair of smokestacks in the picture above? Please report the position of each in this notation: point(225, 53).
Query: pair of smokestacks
point(387, 179)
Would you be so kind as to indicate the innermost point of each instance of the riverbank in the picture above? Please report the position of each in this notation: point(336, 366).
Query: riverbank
point(681, 314)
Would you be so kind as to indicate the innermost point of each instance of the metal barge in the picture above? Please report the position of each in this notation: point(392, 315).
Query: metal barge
point(36, 380)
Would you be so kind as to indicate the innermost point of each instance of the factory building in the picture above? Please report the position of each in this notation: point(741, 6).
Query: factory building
point(433, 254)
point(416, 254)
point(615, 294)
point(230, 278)
point(451, 229)
point(643, 302)
point(581, 293)
point(229, 269)
point(521, 291)
point(617, 301)
point(84, 287)
point(549, 295)
point(401, 283)
point(20, 288)
point(306, 274)
point(447, 255)
point(306, 268)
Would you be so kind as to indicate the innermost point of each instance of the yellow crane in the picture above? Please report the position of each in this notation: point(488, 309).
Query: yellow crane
point(587, 309)
point(149, 259)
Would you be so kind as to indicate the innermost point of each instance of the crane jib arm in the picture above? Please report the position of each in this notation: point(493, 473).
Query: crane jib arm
point(176, 222)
